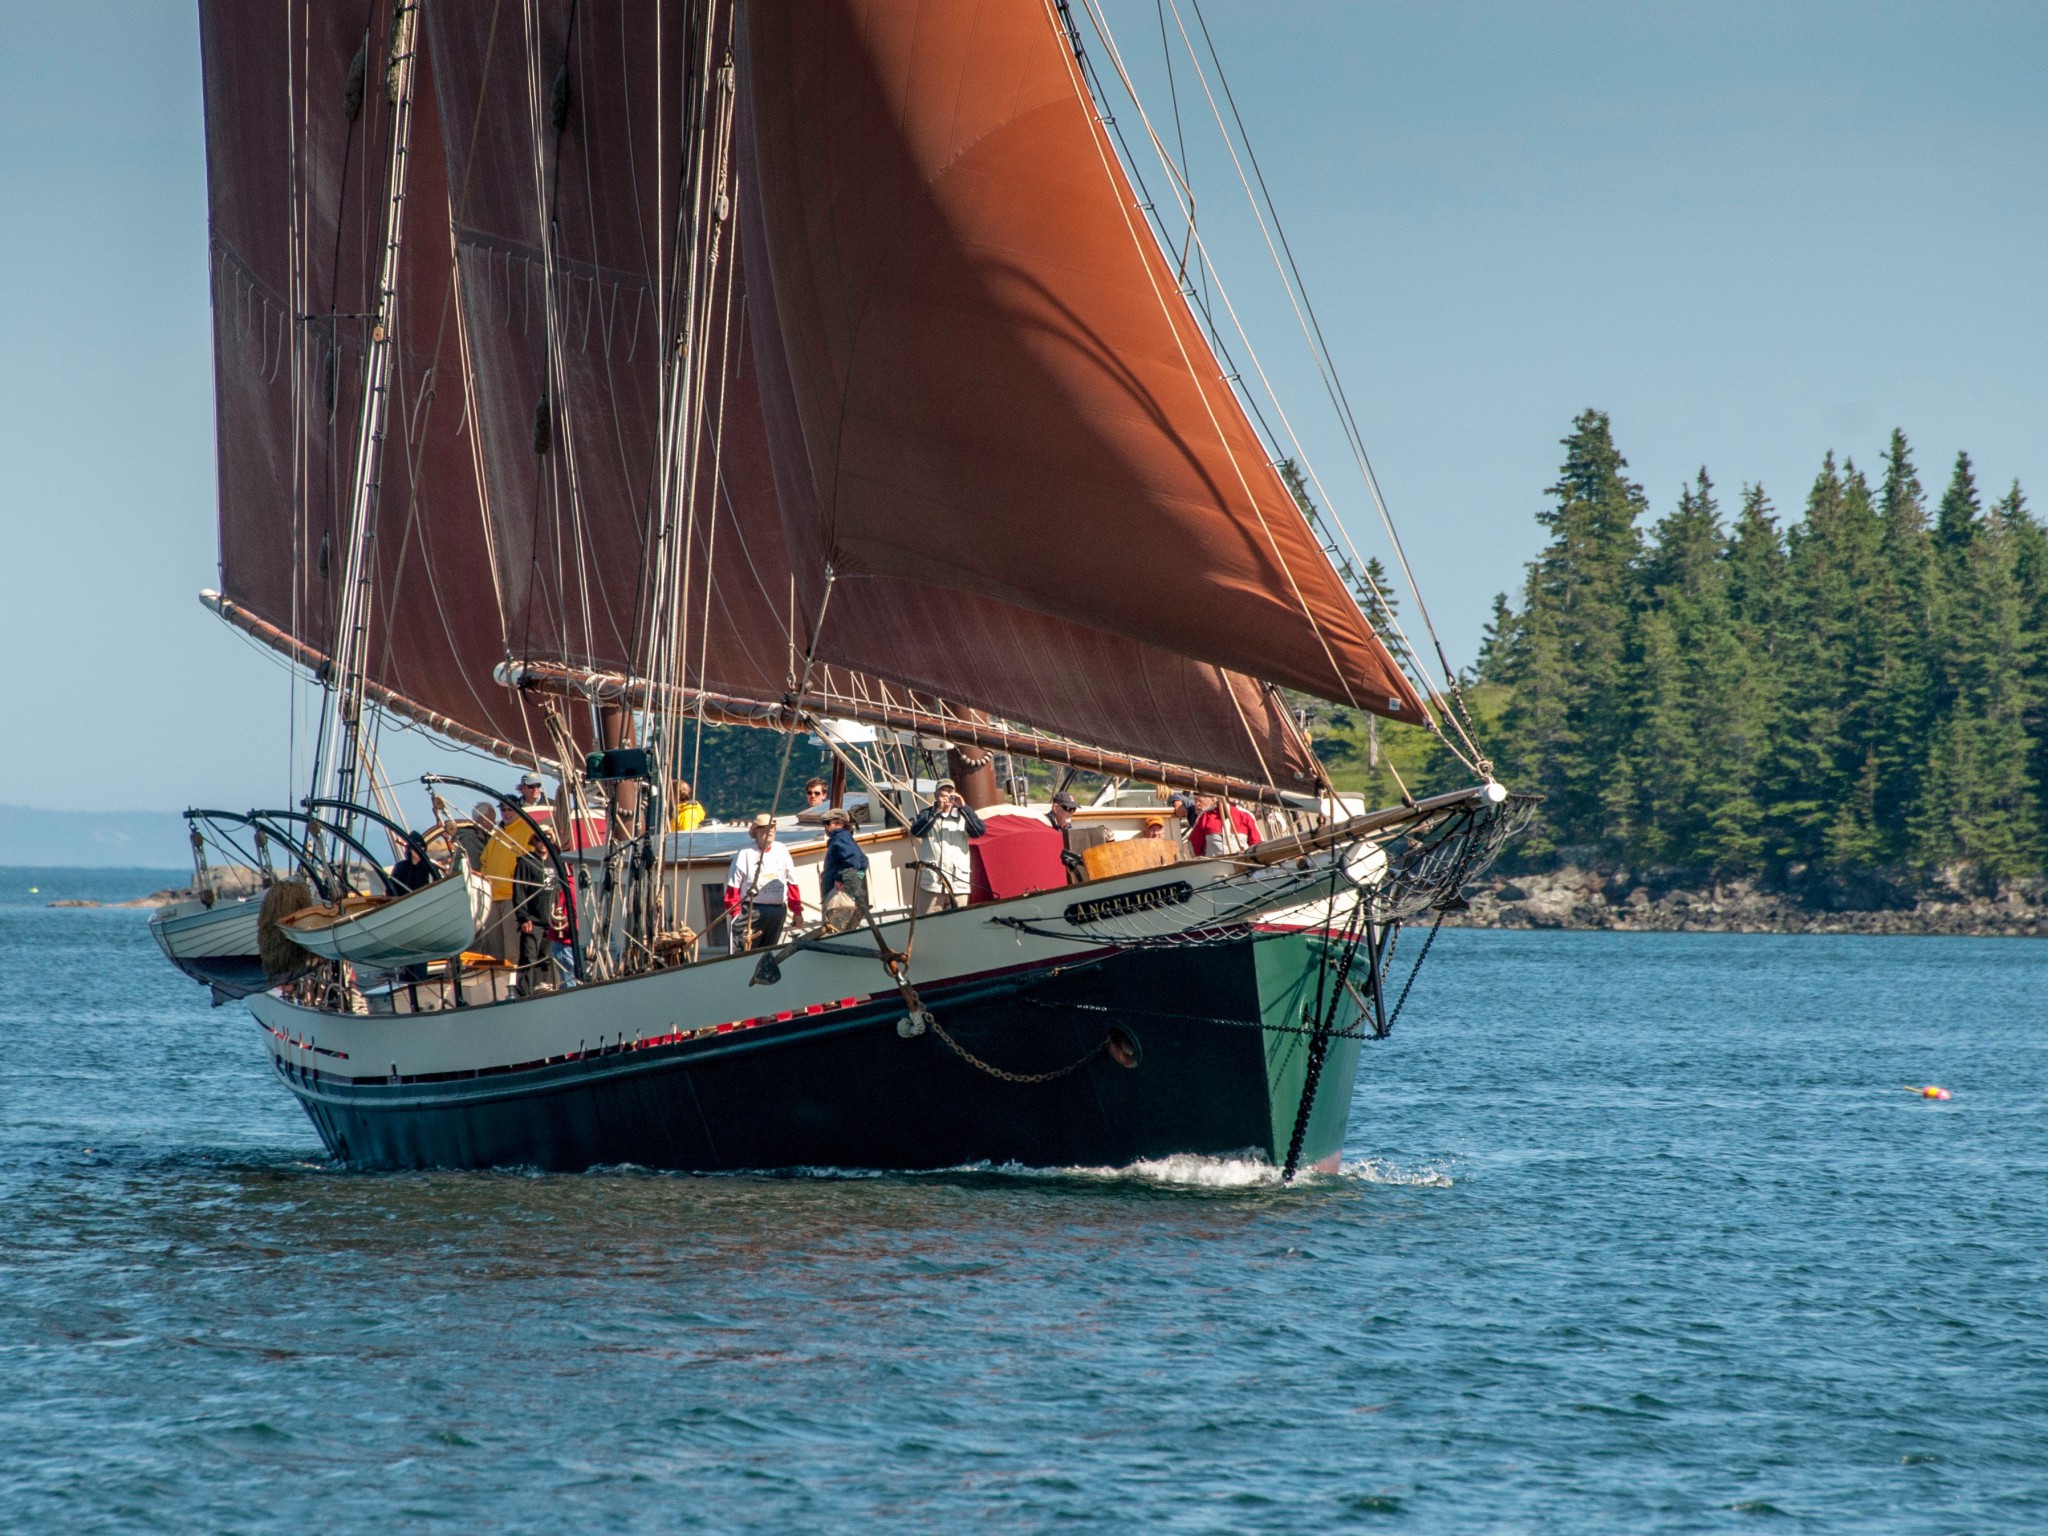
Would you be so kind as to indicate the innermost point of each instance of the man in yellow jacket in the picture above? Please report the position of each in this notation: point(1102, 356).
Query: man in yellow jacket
point(501, 856)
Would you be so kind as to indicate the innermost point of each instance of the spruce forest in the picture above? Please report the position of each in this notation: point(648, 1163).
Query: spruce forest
point(1728, 693)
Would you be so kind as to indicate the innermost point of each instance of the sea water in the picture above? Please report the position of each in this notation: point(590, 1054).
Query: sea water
point(1635, 1233)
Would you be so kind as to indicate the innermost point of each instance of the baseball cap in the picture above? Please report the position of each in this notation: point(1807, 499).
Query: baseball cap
point(1065, 801)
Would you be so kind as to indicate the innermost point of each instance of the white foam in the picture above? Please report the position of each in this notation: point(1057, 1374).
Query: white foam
point(1377, 1170)
point(1187, 1171)
point(1181, 1171)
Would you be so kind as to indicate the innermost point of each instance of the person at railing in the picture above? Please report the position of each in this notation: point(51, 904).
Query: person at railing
point(816, 793)
point(474, 835)
point(946, 872)
point(533, 906)
point(760, 889)
point(1062, 818)
point(561, 944)
point(501, 855)
point(414, 869)
point(843, 884)
point(685, 814)
point(1215, 833)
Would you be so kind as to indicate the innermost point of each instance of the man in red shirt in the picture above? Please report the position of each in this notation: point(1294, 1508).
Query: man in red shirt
point(1210, 824)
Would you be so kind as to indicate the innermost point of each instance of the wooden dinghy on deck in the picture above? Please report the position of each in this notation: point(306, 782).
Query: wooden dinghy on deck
point(432, 923)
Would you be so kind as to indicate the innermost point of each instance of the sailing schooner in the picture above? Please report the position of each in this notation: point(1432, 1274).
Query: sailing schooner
point(589, 374)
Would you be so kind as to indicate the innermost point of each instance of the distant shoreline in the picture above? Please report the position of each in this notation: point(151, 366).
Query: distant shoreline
point(1583, 900)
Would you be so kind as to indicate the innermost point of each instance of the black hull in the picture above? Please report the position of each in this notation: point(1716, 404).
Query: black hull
point(847, 1090)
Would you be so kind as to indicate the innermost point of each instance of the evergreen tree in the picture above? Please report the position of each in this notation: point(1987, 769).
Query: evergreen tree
point(1980, 808)
point(1694, 752)
point(1386, 611)
point(1956, 522)
point(1759, 606)
point(1867, 688)
point(1566, 727)
point(1497, 642)
point(1903, 619)
point(1824, 780)
point(2030, 572)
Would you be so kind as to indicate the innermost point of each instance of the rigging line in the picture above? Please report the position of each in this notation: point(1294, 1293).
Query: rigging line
point(301, 493)
point(1178, 180)
point(668, 626)
point(332, 369)
point(655, 603)
point(689, 381)
point(1305, 312)
point(458, 210)
point(545, 189)
point(1102, 28)
point(343, 725)
point(1406, 653)
point(810, 656)
point(1180, 137)
point(717, 483)
point(617, 416)
point(678, 264)
point(1410, 658)
point(1138, 239)
point(474, 434)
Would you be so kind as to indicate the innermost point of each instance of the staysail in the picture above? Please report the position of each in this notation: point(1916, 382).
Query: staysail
point(996, 385)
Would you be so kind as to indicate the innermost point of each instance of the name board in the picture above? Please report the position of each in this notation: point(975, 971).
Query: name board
point(1149, 899)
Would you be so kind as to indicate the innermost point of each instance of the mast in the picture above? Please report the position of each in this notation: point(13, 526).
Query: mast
point(341, 747)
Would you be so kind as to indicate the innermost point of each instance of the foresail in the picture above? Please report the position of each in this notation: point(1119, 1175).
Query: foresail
point(998, 388)
point(294, 199)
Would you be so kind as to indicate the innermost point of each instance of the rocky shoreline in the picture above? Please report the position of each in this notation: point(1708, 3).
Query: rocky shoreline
point(1653, 901)
point(230, 881)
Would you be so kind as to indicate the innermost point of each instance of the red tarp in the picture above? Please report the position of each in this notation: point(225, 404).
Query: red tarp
point(1017, 856)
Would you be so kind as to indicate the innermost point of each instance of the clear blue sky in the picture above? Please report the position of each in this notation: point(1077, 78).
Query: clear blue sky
point(1750, 232)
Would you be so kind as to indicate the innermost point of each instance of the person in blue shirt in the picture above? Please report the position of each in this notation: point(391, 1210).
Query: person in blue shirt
point(844, 880)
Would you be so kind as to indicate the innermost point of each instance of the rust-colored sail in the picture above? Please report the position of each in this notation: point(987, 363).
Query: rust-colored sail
point(1014, 662)
point(283, 514)
point(601, 185)
point(997, 386)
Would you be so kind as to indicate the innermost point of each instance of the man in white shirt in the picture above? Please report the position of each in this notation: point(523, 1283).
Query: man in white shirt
point(760, 889)
point(947, 873)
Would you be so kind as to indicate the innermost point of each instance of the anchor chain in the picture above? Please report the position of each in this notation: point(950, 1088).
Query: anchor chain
point(994, 1071)
point(1319, 1047)
point(1416, 970)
